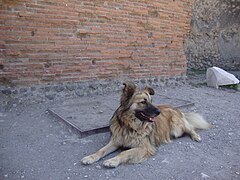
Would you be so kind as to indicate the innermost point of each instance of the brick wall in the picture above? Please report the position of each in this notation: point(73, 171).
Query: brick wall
point(77, 40)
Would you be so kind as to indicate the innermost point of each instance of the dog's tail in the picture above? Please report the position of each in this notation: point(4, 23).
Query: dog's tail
point(197, 121)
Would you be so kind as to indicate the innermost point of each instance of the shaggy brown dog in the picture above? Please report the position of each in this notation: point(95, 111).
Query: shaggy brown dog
point(141, 127)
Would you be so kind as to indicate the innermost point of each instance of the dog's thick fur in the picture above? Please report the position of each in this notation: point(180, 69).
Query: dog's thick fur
point(140, 127)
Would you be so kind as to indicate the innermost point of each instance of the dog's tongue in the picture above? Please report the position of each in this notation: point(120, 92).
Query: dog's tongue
point(152, 119)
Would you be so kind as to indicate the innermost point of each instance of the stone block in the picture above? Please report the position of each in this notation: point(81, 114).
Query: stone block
point(218, 77)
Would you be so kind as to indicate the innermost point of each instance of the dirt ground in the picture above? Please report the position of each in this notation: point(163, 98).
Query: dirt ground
point(34, 145)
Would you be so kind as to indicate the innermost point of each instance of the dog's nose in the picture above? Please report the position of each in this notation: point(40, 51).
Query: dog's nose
point(158, 111)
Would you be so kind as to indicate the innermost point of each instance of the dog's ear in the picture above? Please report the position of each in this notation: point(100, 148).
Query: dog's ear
point(149, 90)
point(127, 92)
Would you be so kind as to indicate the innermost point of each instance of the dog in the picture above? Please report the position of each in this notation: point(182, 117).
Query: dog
point(140, 127)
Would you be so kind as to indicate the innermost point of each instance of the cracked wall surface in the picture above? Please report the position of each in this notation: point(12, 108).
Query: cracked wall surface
point(214, 38)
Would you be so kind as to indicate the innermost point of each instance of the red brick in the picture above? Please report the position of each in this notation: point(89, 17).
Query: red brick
point(88, 40)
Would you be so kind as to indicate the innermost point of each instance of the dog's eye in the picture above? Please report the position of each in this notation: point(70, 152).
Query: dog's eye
point(144, 101)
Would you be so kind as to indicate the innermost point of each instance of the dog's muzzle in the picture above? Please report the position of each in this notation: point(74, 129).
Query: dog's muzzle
point(148, 114)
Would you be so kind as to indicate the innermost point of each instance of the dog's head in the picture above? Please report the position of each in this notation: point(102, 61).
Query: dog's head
point(139, 102)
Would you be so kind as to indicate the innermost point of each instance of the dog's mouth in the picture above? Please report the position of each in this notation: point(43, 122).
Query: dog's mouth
point(144, 117)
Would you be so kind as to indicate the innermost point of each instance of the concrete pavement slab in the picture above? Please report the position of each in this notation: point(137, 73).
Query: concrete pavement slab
point(89, 116)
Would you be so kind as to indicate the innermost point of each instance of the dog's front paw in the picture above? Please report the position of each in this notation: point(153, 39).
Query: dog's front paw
point(89, 159)
point(111, 163)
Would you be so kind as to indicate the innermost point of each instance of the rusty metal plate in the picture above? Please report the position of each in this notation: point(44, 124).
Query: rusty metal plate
point(91, 115)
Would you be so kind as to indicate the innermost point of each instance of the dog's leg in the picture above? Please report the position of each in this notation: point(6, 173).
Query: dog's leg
point(110, 147)
point(135, 155)
point(189, 129)
point(194, 135)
